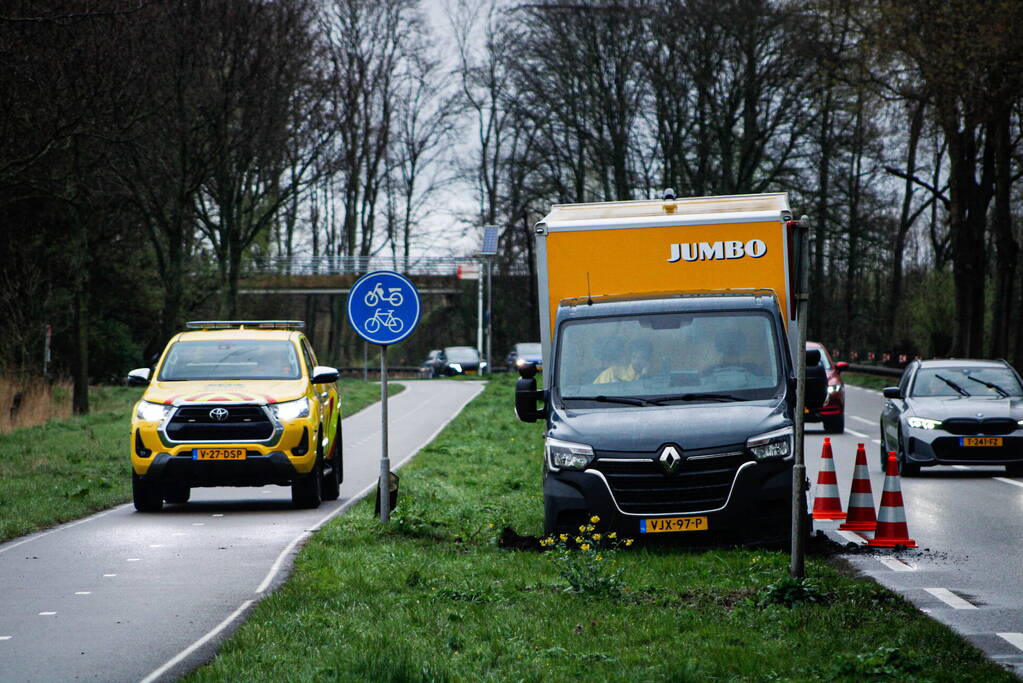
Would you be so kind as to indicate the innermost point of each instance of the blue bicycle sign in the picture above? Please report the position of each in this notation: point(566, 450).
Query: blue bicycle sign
point(383, 307)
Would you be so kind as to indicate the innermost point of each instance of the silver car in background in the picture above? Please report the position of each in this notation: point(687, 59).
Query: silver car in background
point(954, 412)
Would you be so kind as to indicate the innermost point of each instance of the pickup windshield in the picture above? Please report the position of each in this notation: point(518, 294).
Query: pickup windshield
point(662, 359)
point(230, 359)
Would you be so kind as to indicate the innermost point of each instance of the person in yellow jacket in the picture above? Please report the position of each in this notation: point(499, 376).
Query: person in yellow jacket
point(640, 353)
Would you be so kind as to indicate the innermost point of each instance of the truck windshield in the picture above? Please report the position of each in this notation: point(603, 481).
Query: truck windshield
point(662, 358)
point(230, 359)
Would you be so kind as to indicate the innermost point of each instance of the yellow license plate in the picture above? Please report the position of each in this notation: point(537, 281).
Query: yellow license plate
point(218, 454)
point(470, 372)
point(980, 441)
point(672, 524)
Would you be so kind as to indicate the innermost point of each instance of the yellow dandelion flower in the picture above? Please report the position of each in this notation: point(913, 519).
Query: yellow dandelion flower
point(582, 529)
point(599, 558)
point(594, 519)
point(589, 527)
point(628, 541)
point(585, 546)
point(490, 526)
point(563, 537)
point(578, 539)
point(612, 535)
point(596, 537)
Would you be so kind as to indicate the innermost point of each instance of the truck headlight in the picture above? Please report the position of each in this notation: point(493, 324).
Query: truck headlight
point(457, 367)
point(291, 410)
point(152, 412)
point(565, 455)
point(923, 422)
point(773, 445)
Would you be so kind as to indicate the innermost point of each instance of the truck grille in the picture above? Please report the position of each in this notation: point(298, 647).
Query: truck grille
point(640, 486)
point(201, 423)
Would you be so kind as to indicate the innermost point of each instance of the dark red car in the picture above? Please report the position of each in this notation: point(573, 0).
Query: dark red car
point(832, 413)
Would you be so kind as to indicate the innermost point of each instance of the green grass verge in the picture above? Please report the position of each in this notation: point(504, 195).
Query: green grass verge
point(876, 382)
point(66, 469)
point(434, 597)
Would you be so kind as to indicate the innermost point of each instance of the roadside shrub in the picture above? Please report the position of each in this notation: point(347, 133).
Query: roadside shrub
point(789, 592)
point(587, 561)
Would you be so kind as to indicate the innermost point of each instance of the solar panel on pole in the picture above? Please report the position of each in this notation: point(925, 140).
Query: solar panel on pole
point(489, 247)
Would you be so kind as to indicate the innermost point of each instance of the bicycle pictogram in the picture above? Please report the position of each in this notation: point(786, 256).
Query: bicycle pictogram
point(387, 320)
point(376, 295)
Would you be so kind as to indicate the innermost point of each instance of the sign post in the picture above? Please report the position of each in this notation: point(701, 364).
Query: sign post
point(383, 309)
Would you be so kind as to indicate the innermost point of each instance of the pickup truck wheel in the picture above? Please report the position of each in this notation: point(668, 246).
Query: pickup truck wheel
point(176, 494)
point(146, 496)
point(332, 480)
point(307, 491)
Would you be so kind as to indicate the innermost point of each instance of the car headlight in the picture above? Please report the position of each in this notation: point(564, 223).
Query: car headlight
point(457, 367)
point(152, 412)
point(291, 410)
point(565, 455)
point(773, 445)
point(923, 422)
point(834, 388)
point(483, 363)
point(520, 362)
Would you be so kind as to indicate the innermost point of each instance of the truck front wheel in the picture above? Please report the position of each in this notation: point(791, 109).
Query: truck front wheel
point(146, 496)
point(307, 491)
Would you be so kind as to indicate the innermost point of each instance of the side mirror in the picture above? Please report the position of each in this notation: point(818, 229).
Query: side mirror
point(323, 374)
point(526, 396)
point(813, 357)
point(892, 392)
point(139, 377)
point(841, 366)
point(816, 387)
point(527, 371)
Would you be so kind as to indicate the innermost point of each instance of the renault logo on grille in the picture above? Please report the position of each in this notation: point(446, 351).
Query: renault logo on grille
point(670, 459)
point(218, 414)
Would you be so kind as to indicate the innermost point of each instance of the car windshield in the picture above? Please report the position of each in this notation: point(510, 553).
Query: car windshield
point(527, 349)
point(461, 354)
point(714, 356)
point(230, 359)
point(984, 382)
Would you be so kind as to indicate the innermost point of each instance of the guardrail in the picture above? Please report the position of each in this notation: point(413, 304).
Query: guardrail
point(876, 370)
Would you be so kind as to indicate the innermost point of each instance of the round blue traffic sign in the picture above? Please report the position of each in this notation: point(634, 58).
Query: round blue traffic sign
point(383, 307)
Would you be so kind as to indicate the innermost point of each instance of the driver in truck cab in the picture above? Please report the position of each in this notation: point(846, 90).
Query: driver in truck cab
point(637, 365)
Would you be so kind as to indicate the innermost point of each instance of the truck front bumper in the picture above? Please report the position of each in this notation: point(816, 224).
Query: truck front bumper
point(254, 470)
point(758, 508)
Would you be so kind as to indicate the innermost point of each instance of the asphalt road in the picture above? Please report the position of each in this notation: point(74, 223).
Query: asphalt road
point(124, 596)
point(968, 523)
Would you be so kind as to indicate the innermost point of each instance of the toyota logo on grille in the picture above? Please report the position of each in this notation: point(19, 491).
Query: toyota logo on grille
point(218, 414)
point(670, 459)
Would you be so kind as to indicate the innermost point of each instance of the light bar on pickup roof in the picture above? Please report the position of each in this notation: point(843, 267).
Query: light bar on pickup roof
point(241, 324)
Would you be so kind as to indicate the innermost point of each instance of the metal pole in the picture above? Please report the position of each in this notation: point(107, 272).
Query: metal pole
point(490, 318)
point(797, 568)
point(385, 462)
point(479, 313)
point(365, 361)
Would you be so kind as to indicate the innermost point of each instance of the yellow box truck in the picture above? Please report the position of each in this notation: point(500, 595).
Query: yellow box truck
point(670, 388)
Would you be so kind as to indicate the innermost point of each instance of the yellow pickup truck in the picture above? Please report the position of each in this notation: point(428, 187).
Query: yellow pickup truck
point(236, 403)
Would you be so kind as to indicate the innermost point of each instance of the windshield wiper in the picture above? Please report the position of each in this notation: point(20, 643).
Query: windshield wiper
point(1001, 392)
point(697, 397)
point(630, 400)
point(962, 392)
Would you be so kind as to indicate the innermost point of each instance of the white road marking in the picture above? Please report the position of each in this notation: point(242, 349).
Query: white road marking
point(198, 523)
point(1009, 481)
point(134, 559)
point(1014, 639)
point(851, 537)
point(179, 533)
point(863, 420)
point(219, 514)
point(950, 598)
point(197, 644)
point(61, 528)
point(859, 434)
point(877, 441)
point(6, 637)
point(156, 545)
point(108, 576)
point(46, 614)
point(83, 593)
point(896, 565)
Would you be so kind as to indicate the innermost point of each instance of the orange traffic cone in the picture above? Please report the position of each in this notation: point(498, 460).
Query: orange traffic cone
point(826, 504)
point(891, 516)
point(861, 498)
